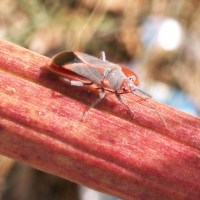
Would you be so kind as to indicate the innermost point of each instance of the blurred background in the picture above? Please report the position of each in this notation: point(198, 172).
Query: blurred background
point(158, 39)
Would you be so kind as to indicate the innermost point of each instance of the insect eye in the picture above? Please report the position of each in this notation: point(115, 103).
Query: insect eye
point(124, 89)
point(132, 78)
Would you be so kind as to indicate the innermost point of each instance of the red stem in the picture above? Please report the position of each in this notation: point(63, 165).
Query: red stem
point(110, 151)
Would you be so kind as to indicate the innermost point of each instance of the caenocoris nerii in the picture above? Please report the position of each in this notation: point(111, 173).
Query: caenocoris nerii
point(82, 69)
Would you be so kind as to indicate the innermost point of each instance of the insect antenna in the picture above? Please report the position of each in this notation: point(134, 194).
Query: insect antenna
point(150, 105)
point(101, 96)
point(120, 99)
point(147, 95)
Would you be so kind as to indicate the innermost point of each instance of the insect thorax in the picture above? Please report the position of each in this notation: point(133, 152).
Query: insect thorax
point(115, 77)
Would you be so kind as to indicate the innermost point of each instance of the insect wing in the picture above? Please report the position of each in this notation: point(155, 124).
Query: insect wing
point(93, 61)
point(87, 66)
point(61, 64)
point(66, 73)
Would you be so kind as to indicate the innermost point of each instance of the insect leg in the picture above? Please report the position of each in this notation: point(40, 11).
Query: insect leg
point(101, 96)
point(76, 83)
point(120, 99)
point(79, 83)
point(102, 56)
point(152, 107)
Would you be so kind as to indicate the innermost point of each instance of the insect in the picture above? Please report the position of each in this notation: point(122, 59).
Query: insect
point(82, 69)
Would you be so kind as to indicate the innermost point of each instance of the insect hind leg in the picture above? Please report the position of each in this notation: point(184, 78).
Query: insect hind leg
point(101, 96)
point(120, 99)
point(79, 83)
point(102, 56)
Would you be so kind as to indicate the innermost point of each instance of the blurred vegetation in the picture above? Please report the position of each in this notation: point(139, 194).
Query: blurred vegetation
point(48, 27)
point(114, 26)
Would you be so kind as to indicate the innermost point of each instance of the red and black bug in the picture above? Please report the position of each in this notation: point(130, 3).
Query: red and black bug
point(82, 69)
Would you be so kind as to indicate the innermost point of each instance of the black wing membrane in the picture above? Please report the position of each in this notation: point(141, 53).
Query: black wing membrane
point(66, 58)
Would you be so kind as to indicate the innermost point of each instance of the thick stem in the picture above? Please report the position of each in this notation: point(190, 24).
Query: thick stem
point(40, 125)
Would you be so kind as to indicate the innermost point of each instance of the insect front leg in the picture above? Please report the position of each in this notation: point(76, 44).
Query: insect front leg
point(120, 99)
point(101, 96)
